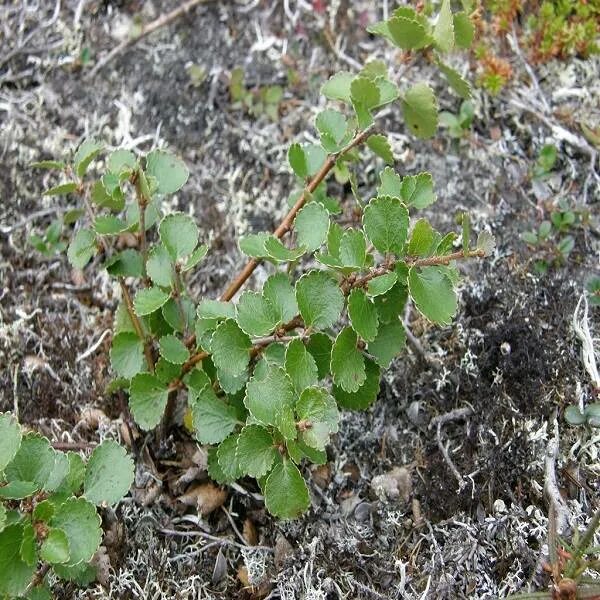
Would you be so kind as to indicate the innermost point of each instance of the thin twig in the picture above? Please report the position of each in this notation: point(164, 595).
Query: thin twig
point(551, 486)
point(161, 21)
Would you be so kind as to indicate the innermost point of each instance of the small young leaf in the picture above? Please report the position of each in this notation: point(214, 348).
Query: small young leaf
point(300, 365)
point(391, 184)
point(127, 354)
point(297, 160)
point(365, 97)
point(10, 439)
point(433, 293)
point(120, 161)
point(62, 188)
point(213, 419)
point(73, 481)
point(279, 292)
point(227, 458)
point(180, 318)
point(382, 283)
point(338, 87)
point(417, 190)
point(318, 414)
point(256, 451)
point(170, 172)
point(231, 348)
point(55, 548)
point(423, 239)
point(108, 474)
point(385, 221)
point(311, 226)
point(80, 522)
point(363, 315)
point(147, 399)
point(347, 361)
point(380, 145)
point(319, 345)
point(253, 245)
point(195, 257)
point(148, 300)
point(464, 31)
point(171, 348)
point(456, 81)
point(127, 263)
point(420, 110)
point(179, 233)
point(279, 253)
point(256, 315)
point(48, 164)
point(109, 225)
point(82, 248)
point(85, 154)
point(443, 32)
point(333, 129)
point(159, 266)
point(390, 341)
point(407, 33)
point(353, 248)
point(319, 299)
point(366, 394)
point(286, 494)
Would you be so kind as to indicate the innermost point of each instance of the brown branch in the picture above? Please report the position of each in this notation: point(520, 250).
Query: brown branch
point(161, 21)
point(73, 445)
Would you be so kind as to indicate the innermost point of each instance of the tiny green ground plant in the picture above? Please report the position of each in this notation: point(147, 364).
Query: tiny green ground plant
point(264, 378)
point(48, 508)
point(458, 124)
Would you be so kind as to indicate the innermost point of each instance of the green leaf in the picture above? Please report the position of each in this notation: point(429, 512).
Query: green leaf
point(443, 32)
point(33, 462)
point(62, 188)
point(390, 341)
point(333, 129)
point(253, 245)
point(391, 184)
point(180, 318)
point(73, 481)
point(171, 348)
point(365, 97)
point(120, 161)
point(230, 348)
point(433, 293)
point(109, 225)
point(166, 371)
point(15, 573)
point(297, 160)
point(179, 233)
point(159, 266)
point(298, 450)
point(82, 248)
point(318, 415)
point(319, 345)
point(10, 439)
point(82, 574)
point(311, 226)
point(279, 292)
point(127, 263)
point(456, 81)
point(147, 399)
point(256, 451)
point(486, 243)
point(214, 470)
point(213, 419)
point(195, 257)
point(216, 309)
point(380, 145)
point(85, 154)
point(382, 283)
point(363, 315)
point(15, 490)
point(464, 31)
point(78, 519)
point(407, 33)
point(353, 248)
point(227, 458)
point(148, 300)
point(127, 354)
point(319, 299)
point(59, 471)
point(419, 106)
point(423, 240)
point(48, 164)
point(270, 400)
point(55, 548)
point(347, 361)
point(108, 475)
point(338, 87)
point(366, 394)
point(170, 172)
point(300, 365)
point(417, 190)
point(256, 315)
point(27, 550)
point(385, 221)
point(279, 253)
point(286, 494)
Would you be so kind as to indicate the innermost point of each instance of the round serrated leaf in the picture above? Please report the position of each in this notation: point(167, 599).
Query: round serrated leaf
point(417, 190)
point(319, 298)
point(279, 291)
point(172, 349)
point(420, 110)
point(55, 548)
point(333, 129)
point(256, 451)
point(390, 341)
point(286, 494)
point(363, 315)
point(80, 522)
point(15, 573)
point(366, 394)
point(146, 301)
point(300, 365)
point(213, 419)
point(385, 221)
point(170, 172)
point(230, 348)
point(108, 474)
point(311, 225)
point(179, 234)
point(382, 283)
point(10, 438)
point(433, 293)
point(121, 160)
point(464, 31)
point(337, 87)
point(87, 151)
point(380, 145)
point(318, 415)
point(159, 266)
point(353, 248)
point(406, 33)
point(33, 462)
point(443, 32)
point(347, 361)
point(128, 263)
point(319, 345)
point(127, 354)
point(255, 314)
point(82, 248)
point(227, 458)
point(147, 400)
